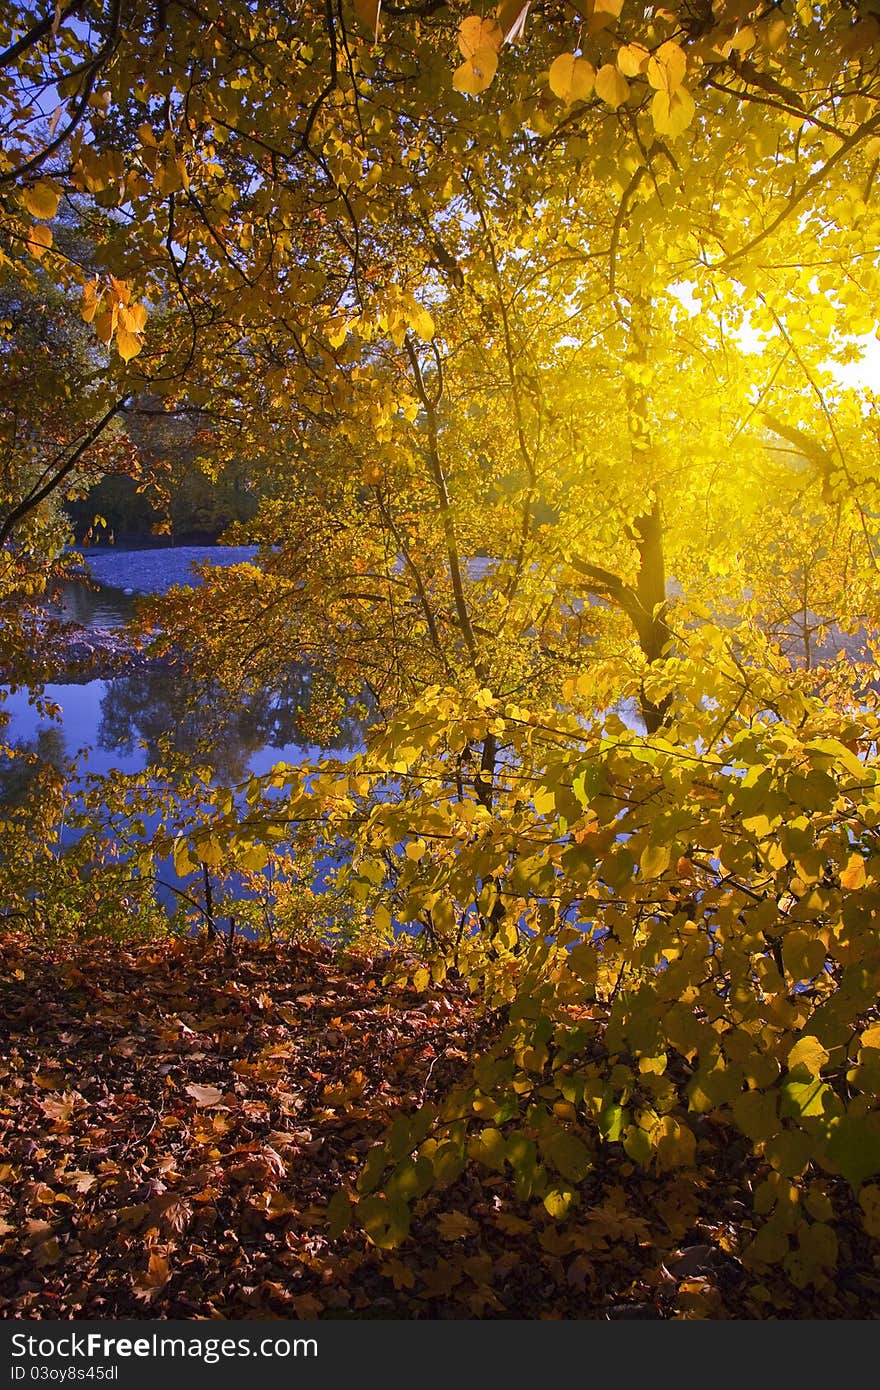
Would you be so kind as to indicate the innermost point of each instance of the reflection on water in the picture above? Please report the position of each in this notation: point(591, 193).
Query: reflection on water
point(45, 749)
point(160, 716)
point(166, 714)
point(75, 601)
point(133, 721)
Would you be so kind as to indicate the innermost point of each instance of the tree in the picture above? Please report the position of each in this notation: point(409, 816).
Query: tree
point(496, 303)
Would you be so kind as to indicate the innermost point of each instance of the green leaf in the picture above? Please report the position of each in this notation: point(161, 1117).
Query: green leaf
point(567, 1154)
point(339, 1214)
point(558, 1202)
point(490, 1148)
point(808, 1052)
point(655, 860)
point(853, 1148)
point(385, 1222)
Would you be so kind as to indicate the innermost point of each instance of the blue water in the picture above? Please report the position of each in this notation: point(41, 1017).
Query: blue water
point(110, 728)
point(131, 722)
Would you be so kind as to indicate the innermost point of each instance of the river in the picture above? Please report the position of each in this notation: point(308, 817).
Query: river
point(159, 715)
point(122, 723)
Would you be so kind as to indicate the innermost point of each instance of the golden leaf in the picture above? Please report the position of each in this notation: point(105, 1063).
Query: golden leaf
point(611, 85)
point(42, 199)
point(128, 344)
point(156, 1276)
point(90, 300)
point(39, 240)
point(475, 75)
point(854, 876)
point(571, 79)
point(632, 59)
point(132, 317)
point(476, 34)
point(673, 112)
point(667, 67)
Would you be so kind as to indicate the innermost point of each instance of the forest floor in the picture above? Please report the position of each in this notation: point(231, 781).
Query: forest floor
point(174, 1119)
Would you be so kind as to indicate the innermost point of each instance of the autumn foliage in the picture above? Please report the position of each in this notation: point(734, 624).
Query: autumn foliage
point(544, 338)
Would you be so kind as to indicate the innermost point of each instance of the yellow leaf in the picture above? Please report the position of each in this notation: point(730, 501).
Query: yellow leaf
point(609, 8)
point(654, 861)
point(667, 67)
point(611, 85)
point(769, 1246)
point(653, 1065)
point(601, 13)
point(121, 288)
point(128, 344)
point(254, 858)
point(558, 1201)
point(743, 39)
point(808, 1052)
point(571, 79)
point(775, 34)
point(210, 851)
point(476, 73)
point(168, 178)
point(183, 864)
point(39, 241)
point(90, 300)
point(147, 1285)
point(674, 1143)
point(133, 317)
point(544, 802)
point(632, 59)
point(854, 876)
point(673, 112)
point(42, 199)
point(476, 34)
point(871, 1038)
point(105, 323)
point(422, 324)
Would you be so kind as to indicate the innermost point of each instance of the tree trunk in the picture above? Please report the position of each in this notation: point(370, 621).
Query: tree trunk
point(649, 614)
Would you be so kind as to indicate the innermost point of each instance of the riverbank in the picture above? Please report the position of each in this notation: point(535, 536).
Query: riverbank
point(74, 654)
point(86, 634)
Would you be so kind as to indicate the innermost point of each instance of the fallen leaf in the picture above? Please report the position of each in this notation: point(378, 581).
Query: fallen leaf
point(205, 1095)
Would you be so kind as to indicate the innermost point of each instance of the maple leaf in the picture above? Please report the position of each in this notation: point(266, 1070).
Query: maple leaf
point(455, 1225)
point(148, 1284)
point(60, 1108)
point(172, 1214)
